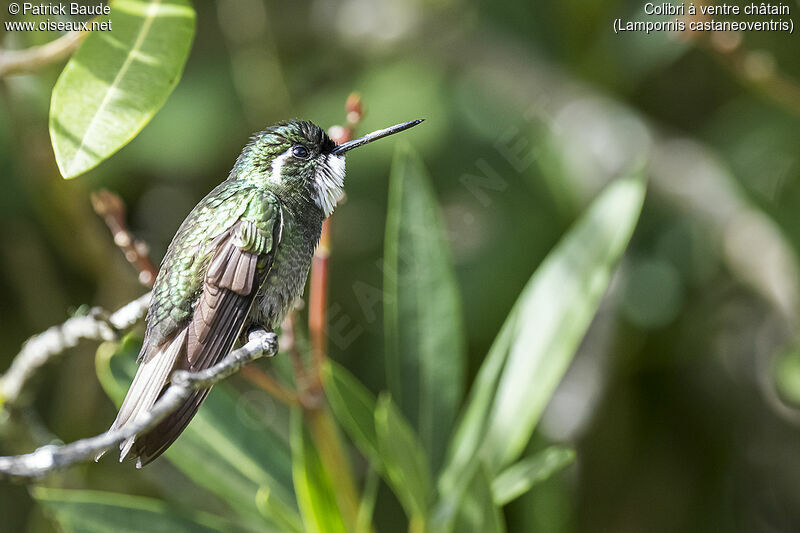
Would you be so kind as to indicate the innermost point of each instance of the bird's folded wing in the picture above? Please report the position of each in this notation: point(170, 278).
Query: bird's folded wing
point(241, 260)
point(229, 288)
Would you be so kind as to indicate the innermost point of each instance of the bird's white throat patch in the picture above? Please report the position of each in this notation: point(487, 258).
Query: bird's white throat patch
point(329, 182)
point(277, 166)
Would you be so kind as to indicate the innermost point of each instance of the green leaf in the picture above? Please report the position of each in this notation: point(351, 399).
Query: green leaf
point(117, 80)
point(422, 309)
point(277, 512)
point(519, 478)
point(369, 495)
point(315, 492)
point(354, 407)
point(540, 336)
point(476, 511)
point(786, 374)
point(93, 511)
point(404, 461)
point(227, 448)
point(379, 430)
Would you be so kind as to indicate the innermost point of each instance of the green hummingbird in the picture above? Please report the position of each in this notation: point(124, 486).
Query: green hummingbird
point(239, 260)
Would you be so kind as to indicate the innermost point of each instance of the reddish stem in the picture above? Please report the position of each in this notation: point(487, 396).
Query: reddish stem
point(318, 297)
point(320, 268)
point(112, 209)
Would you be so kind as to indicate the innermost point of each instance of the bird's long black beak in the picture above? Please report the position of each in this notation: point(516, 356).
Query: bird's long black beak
point(374, 136)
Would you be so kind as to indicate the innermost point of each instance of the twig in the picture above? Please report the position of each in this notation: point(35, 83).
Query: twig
point(318, 292)
point(40, 349)
point(110, 206)
point(49, 458)
point(36, 57)
point(318, 296)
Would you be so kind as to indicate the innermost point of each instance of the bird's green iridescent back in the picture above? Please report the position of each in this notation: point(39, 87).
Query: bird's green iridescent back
point(180, 278)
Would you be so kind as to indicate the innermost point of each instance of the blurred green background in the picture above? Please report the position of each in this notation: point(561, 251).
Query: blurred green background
point(681, 401)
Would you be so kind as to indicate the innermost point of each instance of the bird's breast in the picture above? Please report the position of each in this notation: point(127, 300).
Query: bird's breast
point(286, 279)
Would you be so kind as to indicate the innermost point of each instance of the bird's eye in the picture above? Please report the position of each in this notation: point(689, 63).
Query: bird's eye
point(300, 152)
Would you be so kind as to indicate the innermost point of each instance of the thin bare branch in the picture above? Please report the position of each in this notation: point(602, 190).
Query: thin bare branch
point(50, 458)
point(318, 296)
point(111, 208)
point(36, 57)
point(318, 291)
point(37, 351)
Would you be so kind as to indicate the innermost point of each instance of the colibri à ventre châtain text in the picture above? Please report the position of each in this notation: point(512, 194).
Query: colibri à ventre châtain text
point(761, 9)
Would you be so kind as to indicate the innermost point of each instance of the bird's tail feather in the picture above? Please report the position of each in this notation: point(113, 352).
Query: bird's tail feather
point(150, 380)
point(153, 443)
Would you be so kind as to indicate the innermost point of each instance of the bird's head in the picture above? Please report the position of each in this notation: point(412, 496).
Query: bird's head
point(297, 158)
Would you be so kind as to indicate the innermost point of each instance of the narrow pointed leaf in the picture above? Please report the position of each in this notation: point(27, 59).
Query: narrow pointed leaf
point(520, 477)
point(422, 308)
point(227, 448)
point(100, 512)
point(276, 511)
point(476, 511)
point(117, 80)
point(366, 507)
point(540, 336)
point(313, 485)
point(381, 433)
point(403, 458)
point(354, 408)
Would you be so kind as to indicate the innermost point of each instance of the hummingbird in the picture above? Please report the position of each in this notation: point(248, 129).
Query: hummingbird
point(239, 260)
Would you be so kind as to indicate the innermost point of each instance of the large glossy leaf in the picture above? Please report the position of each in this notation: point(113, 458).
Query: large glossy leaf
point(520, 477)
point(315, 492)
point(403, 459)
point(227, 448)
point(117, 80)
point(422, 308)
point(100, 512)
point(540, 336)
